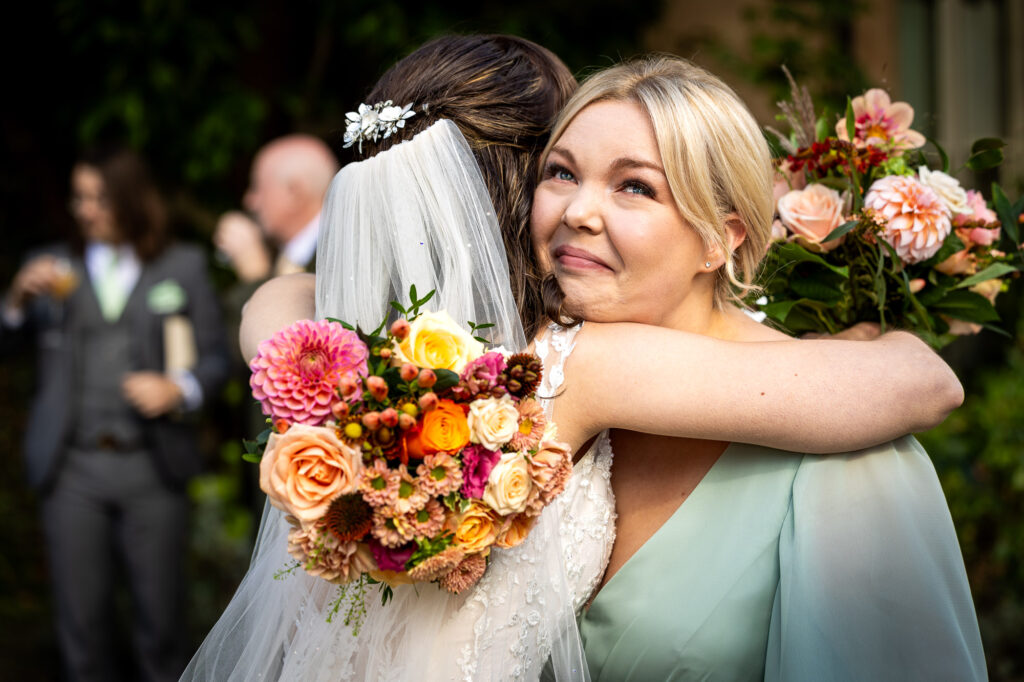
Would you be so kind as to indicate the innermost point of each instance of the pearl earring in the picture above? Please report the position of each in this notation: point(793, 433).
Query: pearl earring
point(707, 264)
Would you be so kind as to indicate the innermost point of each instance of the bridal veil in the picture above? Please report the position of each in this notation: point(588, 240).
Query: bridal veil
point(416, 214)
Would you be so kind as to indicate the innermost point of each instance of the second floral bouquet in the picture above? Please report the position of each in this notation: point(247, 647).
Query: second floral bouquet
point(403, 455)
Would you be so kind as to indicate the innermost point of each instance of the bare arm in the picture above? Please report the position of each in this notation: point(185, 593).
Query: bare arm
point(814, 396)
point(275, 305)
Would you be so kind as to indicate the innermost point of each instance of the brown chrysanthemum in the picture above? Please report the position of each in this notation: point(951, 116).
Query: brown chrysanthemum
point(465, 575)
point(348, 517)
point(522, 374)
point(438, 565)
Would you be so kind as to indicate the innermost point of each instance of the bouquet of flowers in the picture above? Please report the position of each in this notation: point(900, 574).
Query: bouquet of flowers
point(867, 231)
point(403, 455)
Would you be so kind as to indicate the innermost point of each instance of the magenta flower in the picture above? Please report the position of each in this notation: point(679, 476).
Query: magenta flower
point(295, 373)
point(480, 375)
point(477, 462)
point(391, 558)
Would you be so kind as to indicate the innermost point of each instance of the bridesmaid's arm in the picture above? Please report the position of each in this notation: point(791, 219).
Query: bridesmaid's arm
point(275, 305)
point(816, 396)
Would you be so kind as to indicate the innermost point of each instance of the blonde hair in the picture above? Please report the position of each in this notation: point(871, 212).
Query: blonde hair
point(715, 157)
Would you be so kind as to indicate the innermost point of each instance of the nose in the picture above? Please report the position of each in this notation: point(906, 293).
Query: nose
point(584, 211)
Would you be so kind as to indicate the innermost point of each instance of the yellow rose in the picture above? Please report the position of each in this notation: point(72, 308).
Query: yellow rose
point(518, 528)
point(493, 421)
point(306, 467)
point(437, 342)
point(477, 529)
point(509, 484)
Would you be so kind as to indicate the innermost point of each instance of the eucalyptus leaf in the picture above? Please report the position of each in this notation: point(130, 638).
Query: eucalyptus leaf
point(1007, 213)
point(841, 230)
point(943, 156)
point(983, 160)
point(986, 143)
point(967, 306)
point(791, 251)
point(991, 272)
point(817, 286)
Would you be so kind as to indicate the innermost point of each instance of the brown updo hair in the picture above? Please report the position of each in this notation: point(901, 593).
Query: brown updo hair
point(503, 93)
point(135, 202)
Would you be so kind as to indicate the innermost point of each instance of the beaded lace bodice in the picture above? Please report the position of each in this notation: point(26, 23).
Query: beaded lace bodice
point(587, 506)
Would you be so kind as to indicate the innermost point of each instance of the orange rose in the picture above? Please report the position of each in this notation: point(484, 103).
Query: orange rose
point(517, 530)
point(306, 467)
point(477, 529)
point(445, 428)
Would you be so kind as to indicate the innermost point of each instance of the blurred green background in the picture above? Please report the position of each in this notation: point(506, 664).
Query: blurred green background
point(198, 87)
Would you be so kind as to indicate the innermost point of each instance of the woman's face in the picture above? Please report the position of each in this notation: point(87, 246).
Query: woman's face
point(90, 205)
point(605, 222)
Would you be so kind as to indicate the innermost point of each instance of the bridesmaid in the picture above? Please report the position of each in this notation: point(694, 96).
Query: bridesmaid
point(731, 562)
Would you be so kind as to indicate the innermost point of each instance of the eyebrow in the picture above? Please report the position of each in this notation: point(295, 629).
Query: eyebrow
point(620, 163)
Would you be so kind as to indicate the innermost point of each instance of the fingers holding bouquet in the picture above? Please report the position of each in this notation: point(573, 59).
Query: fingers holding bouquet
point(405, 454)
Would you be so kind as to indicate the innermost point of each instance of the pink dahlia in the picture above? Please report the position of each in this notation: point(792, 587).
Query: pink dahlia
point(880, 122)
point(295, 373)
point(916, 221)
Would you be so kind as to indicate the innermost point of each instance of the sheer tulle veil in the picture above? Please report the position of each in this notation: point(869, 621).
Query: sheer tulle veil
point(416, 214)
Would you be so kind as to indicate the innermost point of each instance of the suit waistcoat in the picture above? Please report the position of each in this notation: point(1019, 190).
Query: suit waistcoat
point(105, 354)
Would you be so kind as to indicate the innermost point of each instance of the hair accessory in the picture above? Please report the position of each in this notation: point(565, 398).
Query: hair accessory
point(375, 122)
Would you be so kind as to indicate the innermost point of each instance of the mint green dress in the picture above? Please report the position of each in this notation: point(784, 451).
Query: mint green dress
point(781, 566)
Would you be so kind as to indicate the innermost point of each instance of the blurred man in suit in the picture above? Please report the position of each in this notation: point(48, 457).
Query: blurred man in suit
point(130, 345)
point(289, 178)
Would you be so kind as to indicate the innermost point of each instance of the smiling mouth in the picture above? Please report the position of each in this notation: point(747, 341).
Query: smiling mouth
point(572, 258)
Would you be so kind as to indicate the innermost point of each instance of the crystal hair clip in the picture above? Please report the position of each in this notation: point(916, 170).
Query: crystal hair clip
point(375, 122)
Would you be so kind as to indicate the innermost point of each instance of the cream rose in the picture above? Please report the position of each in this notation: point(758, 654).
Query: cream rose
point(948, 188)
point(509, 485)
point(437, 342)
point(477, 528)
point(306, 467)
point(811, 214)
point(492, 421)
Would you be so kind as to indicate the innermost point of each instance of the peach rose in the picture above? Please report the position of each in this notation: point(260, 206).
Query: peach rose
point(444, 428)
point(477, 528)
point(306, 467)
point(811, 214)
point(519, 527)
point(509, 484)
point(437, 342)
point(551, 457)
point(493, 421)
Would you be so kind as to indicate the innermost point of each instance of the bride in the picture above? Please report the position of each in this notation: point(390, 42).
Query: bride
point(443, 202)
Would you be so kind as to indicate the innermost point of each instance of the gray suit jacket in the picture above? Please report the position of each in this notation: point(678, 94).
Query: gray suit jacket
point(170, 439)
